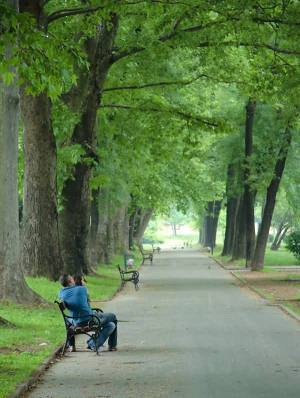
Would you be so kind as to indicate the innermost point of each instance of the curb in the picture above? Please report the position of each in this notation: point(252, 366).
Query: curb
point(24, 387)
point(283, 308)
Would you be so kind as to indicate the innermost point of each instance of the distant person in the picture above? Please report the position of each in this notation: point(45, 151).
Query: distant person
point(77, 302)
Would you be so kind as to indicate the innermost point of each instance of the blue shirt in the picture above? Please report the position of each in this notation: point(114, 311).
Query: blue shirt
point(76, 300)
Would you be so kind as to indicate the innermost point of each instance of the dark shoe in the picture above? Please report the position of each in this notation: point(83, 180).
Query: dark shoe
point(112, 349)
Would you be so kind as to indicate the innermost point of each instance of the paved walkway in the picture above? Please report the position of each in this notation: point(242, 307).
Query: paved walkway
point(191, 333)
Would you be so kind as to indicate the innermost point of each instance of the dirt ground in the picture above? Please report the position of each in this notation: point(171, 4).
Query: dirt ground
point(276, 286)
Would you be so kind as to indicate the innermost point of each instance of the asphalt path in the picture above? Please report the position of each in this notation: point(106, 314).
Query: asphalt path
point(190, 331)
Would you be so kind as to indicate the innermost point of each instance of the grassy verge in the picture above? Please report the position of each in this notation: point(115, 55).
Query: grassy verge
point(39, 330)
point(281, 257)
point(276, 286)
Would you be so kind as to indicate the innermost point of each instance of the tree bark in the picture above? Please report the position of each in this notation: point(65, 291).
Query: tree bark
point(211, 223)
point(249, 195)
point(101, 251)
point(281, 233)
point(132, 226)
point(41, 251)
point(12, 286)
point(141, 225)
point(75, 215)
point(231, 212)
point(239, 244)
point(262, 237)
point(94, 222)
point(119, 230)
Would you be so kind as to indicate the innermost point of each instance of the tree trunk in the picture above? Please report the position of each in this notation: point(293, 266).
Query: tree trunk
point(211, 223)
point(12, 286)
point(280, 228)
point(262, 237)
point(231, 212)
point(119, 230)
point(200, 233)
point(142, 224)
point(282, 236)
point(126, 230)
point(132, 226)
point(174, 229)
point(41, 252)
point(248, 192)
point(231, 215)
point(75, 215)
point(40, 249)
point(110, 242)
point(94, 221)
point(207, 225)
point(101, 250)
point(216, 213)
point(239, 244)
point(204, 238)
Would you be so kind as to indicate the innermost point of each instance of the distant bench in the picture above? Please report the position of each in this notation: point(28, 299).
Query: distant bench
point(91, 328)
point(156, 249)
point(129, 276)
point(146, 254)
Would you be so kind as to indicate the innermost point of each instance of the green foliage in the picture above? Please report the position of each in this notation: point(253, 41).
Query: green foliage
point(293, 243)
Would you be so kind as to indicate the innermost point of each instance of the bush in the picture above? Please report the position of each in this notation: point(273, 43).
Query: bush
point(293, 243)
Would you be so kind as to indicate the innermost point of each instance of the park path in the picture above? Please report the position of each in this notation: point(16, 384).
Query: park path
point(191, 332)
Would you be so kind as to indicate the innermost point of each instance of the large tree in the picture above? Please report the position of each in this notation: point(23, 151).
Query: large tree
point(13, 286)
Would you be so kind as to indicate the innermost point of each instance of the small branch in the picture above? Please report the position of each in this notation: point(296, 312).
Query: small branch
point(275, 20)
point(171, 83)
point(184, 115)
point(156, 84)
point(254, 45)
point(126, 53)
point(70, 12)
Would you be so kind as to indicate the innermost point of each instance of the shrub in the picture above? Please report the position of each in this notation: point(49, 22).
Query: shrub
point(293, 243)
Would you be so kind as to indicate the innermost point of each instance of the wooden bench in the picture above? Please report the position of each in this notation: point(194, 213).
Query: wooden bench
point(129, 276)
point(91, 328)
point(156, 249)
point(146, 254)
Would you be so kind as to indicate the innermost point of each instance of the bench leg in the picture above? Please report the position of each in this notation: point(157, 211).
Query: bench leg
point(64, 347)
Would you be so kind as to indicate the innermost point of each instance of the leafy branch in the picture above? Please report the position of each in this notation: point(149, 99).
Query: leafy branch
point(170, 83)
point(184, 115)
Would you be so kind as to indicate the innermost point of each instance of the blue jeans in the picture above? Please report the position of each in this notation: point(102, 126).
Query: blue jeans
point(109, 330)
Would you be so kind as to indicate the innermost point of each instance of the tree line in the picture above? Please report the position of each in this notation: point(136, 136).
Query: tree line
point(110, 112)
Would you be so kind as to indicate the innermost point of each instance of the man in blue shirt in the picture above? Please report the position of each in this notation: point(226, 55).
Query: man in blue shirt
point(76, 300)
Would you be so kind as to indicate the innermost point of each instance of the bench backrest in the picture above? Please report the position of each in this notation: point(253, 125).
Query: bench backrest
point(62, 306)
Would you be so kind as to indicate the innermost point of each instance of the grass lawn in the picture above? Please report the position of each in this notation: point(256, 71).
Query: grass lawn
point(281, 257)
point(39, 330)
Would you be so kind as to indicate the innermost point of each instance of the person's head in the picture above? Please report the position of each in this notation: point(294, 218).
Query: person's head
point(66, 280)
point(79, 280)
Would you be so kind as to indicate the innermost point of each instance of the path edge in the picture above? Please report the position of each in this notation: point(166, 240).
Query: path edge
point(25, 386)
point(283, 308)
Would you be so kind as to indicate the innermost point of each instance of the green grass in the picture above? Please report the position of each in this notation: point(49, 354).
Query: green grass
point(281, 257)
point(294, 307)
point(39, 330)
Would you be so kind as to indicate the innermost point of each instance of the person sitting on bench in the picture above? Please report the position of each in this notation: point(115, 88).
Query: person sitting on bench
point(76, 299)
